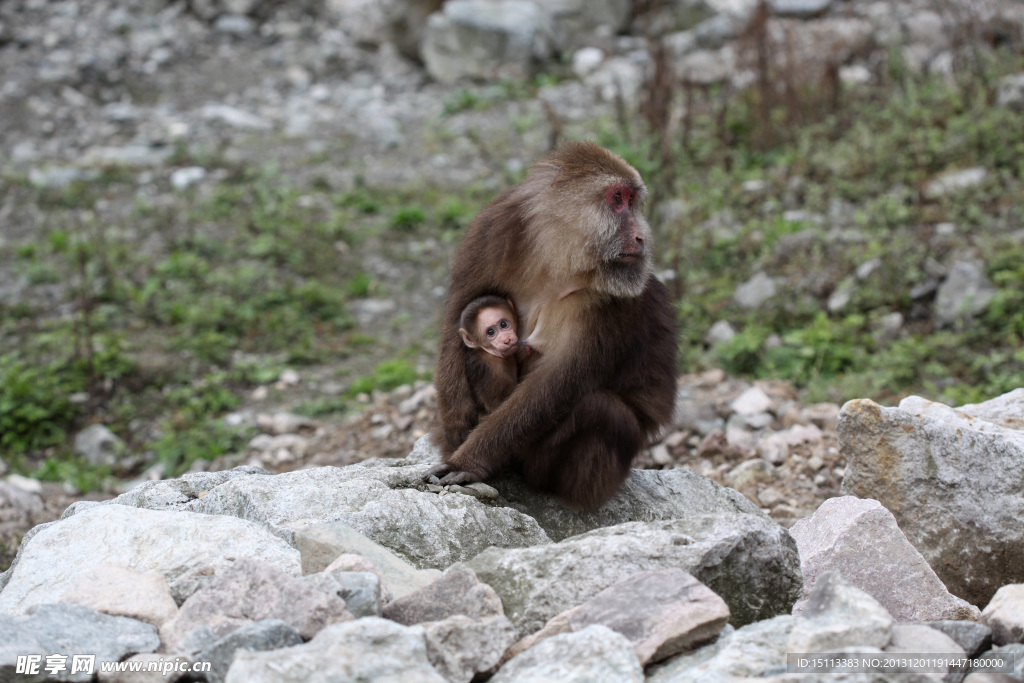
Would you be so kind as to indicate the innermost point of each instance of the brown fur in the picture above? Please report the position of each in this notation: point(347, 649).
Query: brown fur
point(605, 381)
point(491, 379)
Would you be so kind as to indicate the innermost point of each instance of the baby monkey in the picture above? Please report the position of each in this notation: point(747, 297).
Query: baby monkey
point(488, 329)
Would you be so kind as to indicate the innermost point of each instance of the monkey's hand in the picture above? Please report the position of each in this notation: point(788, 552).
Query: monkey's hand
point(449, 474)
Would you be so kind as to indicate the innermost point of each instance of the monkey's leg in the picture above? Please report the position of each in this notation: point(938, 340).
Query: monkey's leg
point(585, 459)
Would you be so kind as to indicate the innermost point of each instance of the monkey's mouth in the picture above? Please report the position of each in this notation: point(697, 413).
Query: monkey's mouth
point(628, 258)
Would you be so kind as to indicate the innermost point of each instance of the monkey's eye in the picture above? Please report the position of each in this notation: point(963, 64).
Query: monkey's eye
point(503, 324)
point(490, 331)
point(618, 199)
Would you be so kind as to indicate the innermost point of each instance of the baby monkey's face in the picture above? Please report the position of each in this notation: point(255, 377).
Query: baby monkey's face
point(496, 331)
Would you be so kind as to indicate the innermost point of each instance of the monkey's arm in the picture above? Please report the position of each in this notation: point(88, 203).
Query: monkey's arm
point(541, 402)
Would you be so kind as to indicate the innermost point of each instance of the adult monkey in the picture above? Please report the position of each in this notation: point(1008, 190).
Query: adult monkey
point(571, 247)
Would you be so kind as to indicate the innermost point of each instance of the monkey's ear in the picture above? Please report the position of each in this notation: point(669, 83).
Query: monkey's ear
point(511, 305)
point(466, 339)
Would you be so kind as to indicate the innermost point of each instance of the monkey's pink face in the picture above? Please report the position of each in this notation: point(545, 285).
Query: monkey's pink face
point(496, 331)
point(629, 245)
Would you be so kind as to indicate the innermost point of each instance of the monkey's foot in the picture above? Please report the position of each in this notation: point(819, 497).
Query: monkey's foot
point(459, 477)
point(449, 474)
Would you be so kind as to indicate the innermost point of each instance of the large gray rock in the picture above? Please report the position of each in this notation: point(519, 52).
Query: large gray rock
point(646, 496)
point(918, 639)
point(70, 630)
point(367, 649)
point(361, 591)
point(169, 493)
point(124, 592)
point(749, 561)
point(972, 637)
point(662, 613)
point(594, 654)
point(261, 636)
point(848, 535)
point(457, 592)
point(837, 616)
point(184, 548)
point(323, 544)
point(252, 591)
point(377, 499)
point(748, 652)
point(461, 647)
point(955, 484)
point(487, 39)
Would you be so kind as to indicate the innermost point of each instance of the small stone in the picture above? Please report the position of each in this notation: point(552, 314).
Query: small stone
point(1005, 615)
point(361, 591)
point(98, 445)
point(755, 291)
point(675, 439)
point(964, 293)
point(586, 60)
point(482, 490)
point(235, 25)
point(661, 456)
point(320, 545)
point(955, 181)
point(719, 333)
point(801, 9)
point(753, 400)
point(186, 177)
point(770, 497)
point(262, 636)
point(284, 423)
point(750, 473)
point(1010, 92)
point(822, 415)
point(457, 592)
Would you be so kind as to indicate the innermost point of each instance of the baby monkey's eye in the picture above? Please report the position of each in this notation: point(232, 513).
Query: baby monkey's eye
point(504, 324)
point(490, 331)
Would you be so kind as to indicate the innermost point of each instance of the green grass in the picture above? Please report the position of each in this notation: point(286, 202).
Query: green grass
point(257, 272)
point(873, 156)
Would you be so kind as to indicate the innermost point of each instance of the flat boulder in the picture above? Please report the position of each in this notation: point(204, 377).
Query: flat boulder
point(749, 561)
point(185, 549)
point(380, 499)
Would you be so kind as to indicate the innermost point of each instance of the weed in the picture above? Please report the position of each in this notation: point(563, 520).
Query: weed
point(408, 218)
point(386, 376)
